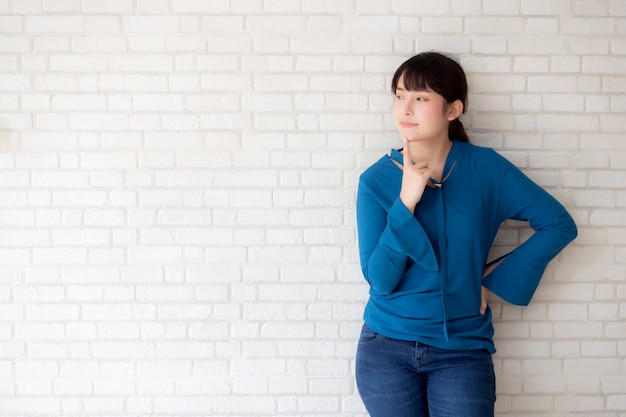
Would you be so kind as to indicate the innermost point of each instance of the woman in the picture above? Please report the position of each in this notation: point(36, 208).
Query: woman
point(427, 217)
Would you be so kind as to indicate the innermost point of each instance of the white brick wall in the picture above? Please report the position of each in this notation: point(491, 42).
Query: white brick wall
point(177, 190)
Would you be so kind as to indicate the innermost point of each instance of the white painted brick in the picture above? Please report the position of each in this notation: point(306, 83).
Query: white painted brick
point(150, 24)
point(99, 44)
point(12, 23)
point(443, 25)
point(59, 256)
point(52, 312)
point(185, 43)
point(588, 26)
point(549, 7)
point(413, 25)
point(32, 405)
point(195, 6)
point(544, 385)
point(141, 197)
point(16, 82)
point(151, 44)
point(9, 63)
point(321, 44)
point(102, 24)
point(149, 255)
point(15, 45)
point(239, 43)
point(595, 103)
point(54, 24)
point(542, 26)
point(80, 237)
point(18, 217)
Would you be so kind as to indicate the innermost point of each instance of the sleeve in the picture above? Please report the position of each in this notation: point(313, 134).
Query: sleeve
point(516, 278)
point(387, 239)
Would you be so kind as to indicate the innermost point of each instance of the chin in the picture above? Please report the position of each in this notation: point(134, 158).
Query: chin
point(412, 139)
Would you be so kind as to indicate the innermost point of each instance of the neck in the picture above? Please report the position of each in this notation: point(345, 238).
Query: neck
point(434, 153)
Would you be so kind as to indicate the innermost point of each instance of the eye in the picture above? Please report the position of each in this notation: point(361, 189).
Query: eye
point(421, 99)
point(399, 97)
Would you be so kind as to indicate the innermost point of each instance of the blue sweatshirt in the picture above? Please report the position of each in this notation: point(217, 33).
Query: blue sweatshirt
point(425, 270)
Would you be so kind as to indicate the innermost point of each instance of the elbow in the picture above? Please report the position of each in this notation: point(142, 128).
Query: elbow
point(573, 233)
point(570, 228)
point(379, 286)
point(564, 226)
point(382, 290)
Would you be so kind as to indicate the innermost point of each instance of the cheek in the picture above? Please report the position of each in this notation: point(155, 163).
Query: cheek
point(433, 112)
point(397, 109)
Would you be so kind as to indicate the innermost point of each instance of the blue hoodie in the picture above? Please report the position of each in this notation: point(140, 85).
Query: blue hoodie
point(425, 270)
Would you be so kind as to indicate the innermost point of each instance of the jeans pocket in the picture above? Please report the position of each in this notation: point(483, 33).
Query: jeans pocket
point(368, 335)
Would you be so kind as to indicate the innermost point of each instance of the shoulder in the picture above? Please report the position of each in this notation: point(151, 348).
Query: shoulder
point(477, 150)
point(483, 157)
point(381, 178)
point(378, 170)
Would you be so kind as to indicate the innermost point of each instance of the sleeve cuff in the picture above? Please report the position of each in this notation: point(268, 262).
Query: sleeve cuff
point(514, 280)
point(406, 235)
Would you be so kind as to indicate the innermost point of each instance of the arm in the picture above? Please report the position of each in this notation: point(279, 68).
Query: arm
point(517, 276)
point(388, 238)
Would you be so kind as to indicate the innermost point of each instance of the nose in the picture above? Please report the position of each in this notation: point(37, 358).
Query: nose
point(408, 108)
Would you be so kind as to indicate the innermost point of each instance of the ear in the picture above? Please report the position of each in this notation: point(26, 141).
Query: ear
point(454, 110)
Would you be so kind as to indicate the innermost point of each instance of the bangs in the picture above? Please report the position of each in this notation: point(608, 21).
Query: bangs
point(413, 79)
point(419, 73)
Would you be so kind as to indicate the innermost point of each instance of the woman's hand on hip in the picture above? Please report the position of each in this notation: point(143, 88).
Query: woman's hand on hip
point(484, 294)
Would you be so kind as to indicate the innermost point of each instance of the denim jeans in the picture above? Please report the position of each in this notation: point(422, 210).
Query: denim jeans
point(398, 378)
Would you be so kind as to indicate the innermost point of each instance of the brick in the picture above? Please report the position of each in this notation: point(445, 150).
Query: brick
point(549, 7)
point(602, 65)
point(59, 256)
point(15, 82)
point(148, 255)
point(32, 405)
point(99, 44)
point(542, 26)
point(150, 24)
point(487, 25)
point(328, 6)
point(11, 23)
point(588, 26)
point(323, 44)
point(556, 122)
point(54, 24)
point(52, 312)
point(275, 24)
point(18, 217)
point(116, 330)
point(15, 45)
point(196, 6)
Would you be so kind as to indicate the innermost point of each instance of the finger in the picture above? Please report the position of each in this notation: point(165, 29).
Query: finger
point(405, 151)
point(483, 300)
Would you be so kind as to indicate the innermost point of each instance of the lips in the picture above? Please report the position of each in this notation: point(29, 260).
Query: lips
point(407, 124)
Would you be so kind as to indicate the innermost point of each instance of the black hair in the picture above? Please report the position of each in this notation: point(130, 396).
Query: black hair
point(443, 75)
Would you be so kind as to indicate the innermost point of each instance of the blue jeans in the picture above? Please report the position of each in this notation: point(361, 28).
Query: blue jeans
point(398, 378)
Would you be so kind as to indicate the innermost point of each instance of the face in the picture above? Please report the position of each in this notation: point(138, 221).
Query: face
point(421, 115)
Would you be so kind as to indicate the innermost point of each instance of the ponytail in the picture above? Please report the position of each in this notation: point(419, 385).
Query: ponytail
point(456, 131)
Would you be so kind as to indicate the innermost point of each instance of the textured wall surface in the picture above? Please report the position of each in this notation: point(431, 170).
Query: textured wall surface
point(177, 190)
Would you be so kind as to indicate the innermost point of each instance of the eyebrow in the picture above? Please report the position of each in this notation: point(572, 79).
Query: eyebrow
point(425, 90)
